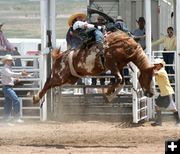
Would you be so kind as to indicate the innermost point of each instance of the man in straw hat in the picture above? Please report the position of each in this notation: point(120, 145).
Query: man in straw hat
point(165, 99)
point(78, 24)
point(8, 77)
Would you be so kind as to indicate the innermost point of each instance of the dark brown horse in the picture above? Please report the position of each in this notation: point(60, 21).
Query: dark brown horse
point(120, 49)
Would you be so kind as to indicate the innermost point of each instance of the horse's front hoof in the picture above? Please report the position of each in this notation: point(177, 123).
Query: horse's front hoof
point(110, 98)
point(35, 100)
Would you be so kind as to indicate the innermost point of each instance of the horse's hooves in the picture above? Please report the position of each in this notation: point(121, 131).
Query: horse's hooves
point(106, 99)
point(35, 101)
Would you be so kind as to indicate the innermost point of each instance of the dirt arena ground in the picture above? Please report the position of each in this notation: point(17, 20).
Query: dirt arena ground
point(85, 138)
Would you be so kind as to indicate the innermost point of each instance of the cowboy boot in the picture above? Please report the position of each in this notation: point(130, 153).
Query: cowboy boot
point(158, 119)
point(176, 116)
point(101, 53)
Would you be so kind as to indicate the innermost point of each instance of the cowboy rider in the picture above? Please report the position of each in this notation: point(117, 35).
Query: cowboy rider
point(78, 24)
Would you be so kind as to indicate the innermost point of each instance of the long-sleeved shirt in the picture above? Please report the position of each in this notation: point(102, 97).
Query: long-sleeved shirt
point(169, 43)
point(4, 43)
point(73, 41)
point(140, 32)
point(122, 26)
point(8, 76)
point(83, 25)
point(162, 80)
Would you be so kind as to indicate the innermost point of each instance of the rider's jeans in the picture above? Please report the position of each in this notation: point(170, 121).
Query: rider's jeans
point(99, 36)
point(11, 100)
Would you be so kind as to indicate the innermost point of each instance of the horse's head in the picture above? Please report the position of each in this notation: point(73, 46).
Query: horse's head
point(145, 80)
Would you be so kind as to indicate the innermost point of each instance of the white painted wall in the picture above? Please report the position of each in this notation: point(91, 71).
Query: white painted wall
point(25, 45)
point(165, 20)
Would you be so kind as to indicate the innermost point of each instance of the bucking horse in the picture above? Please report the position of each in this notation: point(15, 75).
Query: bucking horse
point(119, 50)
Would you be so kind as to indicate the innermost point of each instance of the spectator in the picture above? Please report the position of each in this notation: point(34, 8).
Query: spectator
point(4, 43)
point(11, 99)
point(7, 48)
point(139, 34)
point(120, 24)
point(165, 99)
point(169, 43)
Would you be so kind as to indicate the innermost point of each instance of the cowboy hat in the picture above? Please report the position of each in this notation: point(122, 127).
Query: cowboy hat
point(119, 18)
point(100, 18)
point(7, 57)
point(74, 16)
point(159, 61)
point(141, 19)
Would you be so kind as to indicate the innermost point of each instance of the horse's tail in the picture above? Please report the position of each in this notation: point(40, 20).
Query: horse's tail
point(56, 53)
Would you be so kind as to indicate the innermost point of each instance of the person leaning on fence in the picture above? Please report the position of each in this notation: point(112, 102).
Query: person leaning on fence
point(8, 77)
point(121, 25)
point(165, 99)
point(7, 48)
point(4, 43)
point(139, 33)
point(169, 43)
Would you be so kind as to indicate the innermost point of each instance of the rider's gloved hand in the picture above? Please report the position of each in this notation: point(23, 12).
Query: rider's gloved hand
point(98, 27)
point(95, 26)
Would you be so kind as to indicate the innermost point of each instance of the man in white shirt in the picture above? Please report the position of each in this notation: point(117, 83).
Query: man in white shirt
point(8, 77)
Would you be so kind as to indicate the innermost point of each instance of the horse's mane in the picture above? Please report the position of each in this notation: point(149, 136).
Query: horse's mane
point(56, 53)
point(131, 48)
point(117, 38)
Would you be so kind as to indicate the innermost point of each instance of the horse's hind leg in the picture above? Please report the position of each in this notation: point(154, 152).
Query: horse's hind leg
point(53, 82)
